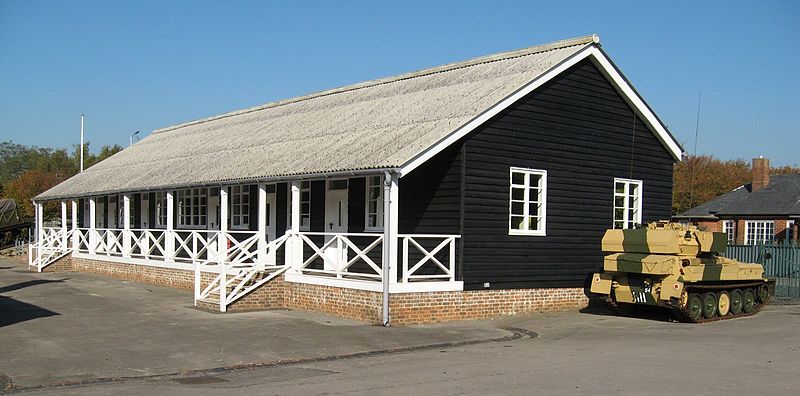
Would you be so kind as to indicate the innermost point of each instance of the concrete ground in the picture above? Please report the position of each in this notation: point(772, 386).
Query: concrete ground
point(67, 327)
point(576, 353)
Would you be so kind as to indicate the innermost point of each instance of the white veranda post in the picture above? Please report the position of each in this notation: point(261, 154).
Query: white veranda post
point(262, 224)
point(223, 247)
point(39, 231)
point(169, 233)
point(75, 235)
point(64, 240)
point(126, 225)
point(92, 223)
point(295, 258)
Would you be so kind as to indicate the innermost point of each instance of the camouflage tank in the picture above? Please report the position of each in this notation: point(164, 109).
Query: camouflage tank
point(680, 268)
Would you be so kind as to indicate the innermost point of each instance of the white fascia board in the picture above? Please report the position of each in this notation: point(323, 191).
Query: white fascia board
point(605, 66)
point(632, 97)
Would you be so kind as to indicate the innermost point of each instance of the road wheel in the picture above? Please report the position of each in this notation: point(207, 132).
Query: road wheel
point(694, 308)
point(736, 301)
point(748, 300)
point(763, 294)
point(723, 303)
point(709, 305)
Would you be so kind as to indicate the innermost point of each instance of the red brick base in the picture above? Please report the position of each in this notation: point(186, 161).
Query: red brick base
point(405, 308)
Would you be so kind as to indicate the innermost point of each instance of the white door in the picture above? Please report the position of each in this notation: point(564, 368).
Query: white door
point(335, 222)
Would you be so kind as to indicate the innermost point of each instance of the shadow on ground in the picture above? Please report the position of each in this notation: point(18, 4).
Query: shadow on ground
point(22, 285)
point(14, 311)
point(633, 311)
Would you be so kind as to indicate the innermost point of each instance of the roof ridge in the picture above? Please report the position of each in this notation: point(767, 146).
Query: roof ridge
point(594, 38)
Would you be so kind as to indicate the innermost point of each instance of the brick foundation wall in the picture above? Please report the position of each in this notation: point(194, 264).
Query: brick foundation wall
point(411, 308)
point(62, 264)
point(170, 277)
point(361, 305)
point(353, 304)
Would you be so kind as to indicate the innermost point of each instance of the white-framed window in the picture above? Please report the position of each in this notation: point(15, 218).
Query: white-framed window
point(240, 206)
point(192, 207)
point(305, 205)
point(527, 202)
point(729, 228)
point(757, 232)
point(161, 209)
point(790, 234)
point(374, 206)
point(627, 203)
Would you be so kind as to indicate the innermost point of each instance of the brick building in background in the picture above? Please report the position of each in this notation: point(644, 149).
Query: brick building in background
point(765, 210)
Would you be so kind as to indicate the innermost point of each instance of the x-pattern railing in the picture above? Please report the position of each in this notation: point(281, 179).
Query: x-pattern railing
point(147, 243)
point(54, 242)
point(438, 270)
point(238, 270)
point(109, 241)
point(336, 252)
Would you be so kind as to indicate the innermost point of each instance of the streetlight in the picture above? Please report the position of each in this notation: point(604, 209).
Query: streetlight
point(130, 143)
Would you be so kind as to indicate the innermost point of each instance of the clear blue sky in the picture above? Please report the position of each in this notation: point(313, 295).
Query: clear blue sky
point(142, 65)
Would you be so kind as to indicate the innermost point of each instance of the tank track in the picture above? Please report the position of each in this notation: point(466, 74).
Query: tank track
point(682, 313)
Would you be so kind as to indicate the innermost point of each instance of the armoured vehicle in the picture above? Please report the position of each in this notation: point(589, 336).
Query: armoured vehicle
point(680, 268)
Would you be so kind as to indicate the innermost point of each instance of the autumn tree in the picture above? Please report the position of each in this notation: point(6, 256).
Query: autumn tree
point(30, 184)
point(27, 171)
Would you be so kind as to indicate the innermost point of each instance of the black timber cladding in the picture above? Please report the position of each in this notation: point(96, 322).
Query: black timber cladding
point(577, 128)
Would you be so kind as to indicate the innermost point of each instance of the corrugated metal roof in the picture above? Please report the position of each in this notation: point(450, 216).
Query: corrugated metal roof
point(379, 124)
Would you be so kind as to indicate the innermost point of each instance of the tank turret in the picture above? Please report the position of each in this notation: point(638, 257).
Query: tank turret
point(678, 267)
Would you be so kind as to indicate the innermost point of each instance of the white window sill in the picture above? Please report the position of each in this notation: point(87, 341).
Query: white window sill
point(527, 233)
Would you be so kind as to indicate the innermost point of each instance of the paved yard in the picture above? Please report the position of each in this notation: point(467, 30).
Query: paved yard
point(86, 327)
point(69, 326)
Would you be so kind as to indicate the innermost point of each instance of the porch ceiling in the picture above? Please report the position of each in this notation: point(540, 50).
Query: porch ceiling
point(377, 124)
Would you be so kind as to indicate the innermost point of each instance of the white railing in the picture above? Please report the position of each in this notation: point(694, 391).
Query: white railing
point(424, 257)
point(238, 269)
point(338, 254)
point(427, 267)
point(148, 244)
point(54, 243)
point(236, 262)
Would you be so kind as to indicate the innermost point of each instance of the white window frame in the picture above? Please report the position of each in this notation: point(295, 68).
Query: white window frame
point(789, 233)
point(379, 204)
point(239, 202)
point(541, 214)
point(195, 210)
point(729, 228)
point(762, 230)
point(305, 186)
point(160, 215)
point(627, 222)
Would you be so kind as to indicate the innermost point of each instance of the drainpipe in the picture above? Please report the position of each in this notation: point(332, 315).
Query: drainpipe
point(387, 254)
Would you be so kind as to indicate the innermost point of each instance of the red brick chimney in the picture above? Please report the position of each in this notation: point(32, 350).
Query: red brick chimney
point(760, 173)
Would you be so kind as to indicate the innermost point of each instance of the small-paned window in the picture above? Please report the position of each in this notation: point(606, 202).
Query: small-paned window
point(305, 205)
point(729, 228)
point(527, 202)
point(374, 209)
point(161, 209)
point(627, 203)
point(758, 232)
point(240, 206)
point(192, 207)
point(790, 231)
